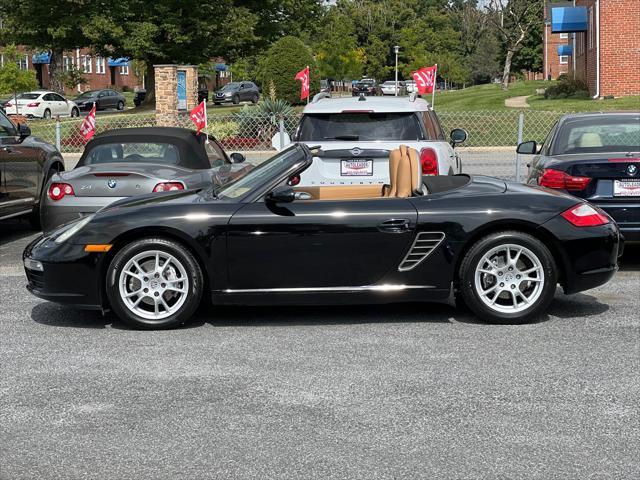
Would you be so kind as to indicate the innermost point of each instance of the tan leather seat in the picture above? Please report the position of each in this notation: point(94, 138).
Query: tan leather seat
point(404, 172)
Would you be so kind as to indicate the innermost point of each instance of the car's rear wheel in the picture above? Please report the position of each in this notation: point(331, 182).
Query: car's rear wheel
point(154, 283)
point(35, 218)
point(120, 105)
point(47, 113)
point(508, 277)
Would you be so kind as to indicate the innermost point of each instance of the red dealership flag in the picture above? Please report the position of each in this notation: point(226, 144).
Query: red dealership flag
point(425, 79)
point(303, 76)
point(199, 116)
point(88, 127)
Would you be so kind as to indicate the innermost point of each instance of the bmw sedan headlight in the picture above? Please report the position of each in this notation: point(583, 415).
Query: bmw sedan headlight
point(73, 229)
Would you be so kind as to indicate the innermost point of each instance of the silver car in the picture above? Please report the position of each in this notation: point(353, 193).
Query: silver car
point(135, 161)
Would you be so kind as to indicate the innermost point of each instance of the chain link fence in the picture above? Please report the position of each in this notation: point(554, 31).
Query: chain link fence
point(490, 148)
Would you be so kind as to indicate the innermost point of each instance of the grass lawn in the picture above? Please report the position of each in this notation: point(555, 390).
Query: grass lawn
point(491, 98)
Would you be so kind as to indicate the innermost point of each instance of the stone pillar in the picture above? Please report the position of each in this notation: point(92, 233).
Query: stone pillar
point(192, 85)
point(166, 83)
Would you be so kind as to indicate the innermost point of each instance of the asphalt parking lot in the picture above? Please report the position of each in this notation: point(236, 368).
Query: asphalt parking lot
point(399, 391)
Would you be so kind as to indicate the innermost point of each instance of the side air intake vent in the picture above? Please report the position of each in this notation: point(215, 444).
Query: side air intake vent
point(423, 245)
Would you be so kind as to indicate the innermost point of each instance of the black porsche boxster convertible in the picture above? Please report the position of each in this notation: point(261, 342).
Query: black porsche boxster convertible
point(499, 247)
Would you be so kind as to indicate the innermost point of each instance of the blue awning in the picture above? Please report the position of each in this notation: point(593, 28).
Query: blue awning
point(568, 19)
point(43, 58)
point(118, 62)
point(565, 50)
point(221, 67)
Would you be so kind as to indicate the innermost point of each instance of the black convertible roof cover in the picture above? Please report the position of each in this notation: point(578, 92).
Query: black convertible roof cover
point(191, 146)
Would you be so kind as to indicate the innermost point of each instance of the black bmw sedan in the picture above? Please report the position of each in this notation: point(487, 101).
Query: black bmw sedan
point(266, 239)
point(596, 157)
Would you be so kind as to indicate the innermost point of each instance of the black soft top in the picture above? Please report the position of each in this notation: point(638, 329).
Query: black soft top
point(191, 146)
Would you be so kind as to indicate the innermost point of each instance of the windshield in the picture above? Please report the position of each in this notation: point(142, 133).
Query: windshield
point(230, 86)
point(596, 134)
point(90, 94)
point(269, 169)
point(28, 96)
point(360, 126)
point(147, 152)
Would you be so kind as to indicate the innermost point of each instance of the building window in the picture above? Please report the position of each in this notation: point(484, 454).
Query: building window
point(100, 65)
point(23, 63)
point(67, 63)
point(124, 70)
point(564, 59)
point(85, 63)
point(564, 36)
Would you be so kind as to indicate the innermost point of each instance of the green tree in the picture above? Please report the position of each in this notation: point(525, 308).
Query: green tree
point(51, 25)
point(338, 54)
point(514, 20)
point(12, 78)
point(72, 77)
point(279, 65)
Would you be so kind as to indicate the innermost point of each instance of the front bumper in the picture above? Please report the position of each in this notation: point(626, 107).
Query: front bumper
point(217, 99)
point(69, 275)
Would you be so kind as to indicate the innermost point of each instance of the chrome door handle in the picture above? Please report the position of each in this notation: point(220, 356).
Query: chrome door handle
point(395, 225)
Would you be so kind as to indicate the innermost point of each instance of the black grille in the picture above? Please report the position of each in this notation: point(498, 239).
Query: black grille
point(36, 279)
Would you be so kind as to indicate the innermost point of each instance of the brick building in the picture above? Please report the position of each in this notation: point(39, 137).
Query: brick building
point(554, 64)
point(614, 26)
point(99, 72)
point(607, 55)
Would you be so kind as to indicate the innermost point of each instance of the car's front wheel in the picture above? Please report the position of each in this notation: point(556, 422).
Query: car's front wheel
point(75, 112)
point(236, 99)
point(508, 277)
point(154, 283)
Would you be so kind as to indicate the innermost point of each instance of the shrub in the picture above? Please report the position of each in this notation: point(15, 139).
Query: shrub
point(567, 88)
point(283, 60)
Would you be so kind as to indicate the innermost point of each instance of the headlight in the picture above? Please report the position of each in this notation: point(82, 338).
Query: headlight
point(73, 229)
point(227, 94)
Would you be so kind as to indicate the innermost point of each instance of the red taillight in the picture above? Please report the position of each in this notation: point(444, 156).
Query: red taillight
point(584, 215)
point(57, 191)
point(33, 104)
point(8, 104)
point(168, 187)
point(558, 179)
point(429, 161)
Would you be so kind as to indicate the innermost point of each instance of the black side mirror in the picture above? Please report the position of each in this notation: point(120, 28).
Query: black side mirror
point(237, 157)
point(527, 148)
point(458, 135)
point(24, 131)
point(282, 194)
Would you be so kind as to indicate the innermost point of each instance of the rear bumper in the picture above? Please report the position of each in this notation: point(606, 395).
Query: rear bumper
point(626, 214)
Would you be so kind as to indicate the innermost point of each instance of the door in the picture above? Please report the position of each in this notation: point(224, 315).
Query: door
point(244, 93)
point(316, 243)
point(20, 170)
point(60, 106)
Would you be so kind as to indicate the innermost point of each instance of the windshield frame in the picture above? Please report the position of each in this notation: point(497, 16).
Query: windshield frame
point(298, 162)
point(563, 133)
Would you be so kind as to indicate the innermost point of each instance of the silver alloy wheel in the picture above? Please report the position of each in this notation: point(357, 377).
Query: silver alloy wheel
point(153, 285)
point(509, 278)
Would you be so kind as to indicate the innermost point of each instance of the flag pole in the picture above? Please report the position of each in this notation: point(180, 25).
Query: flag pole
point(435, 82)
point(309, 80)
point(206, 125)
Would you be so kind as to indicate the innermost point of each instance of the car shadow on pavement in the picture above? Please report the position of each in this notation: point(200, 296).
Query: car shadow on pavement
point(15, 229)
point(577, 305)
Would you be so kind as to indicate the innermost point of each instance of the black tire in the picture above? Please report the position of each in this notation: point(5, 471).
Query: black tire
point(120, 105)
point(75, 112)
point(193, 295)
point(255, 99)
point(468, 291)
point(236, 100)
point(46, 113)
point(35, 219)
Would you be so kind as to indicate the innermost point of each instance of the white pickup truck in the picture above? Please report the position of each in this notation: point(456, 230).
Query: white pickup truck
point(356, 135)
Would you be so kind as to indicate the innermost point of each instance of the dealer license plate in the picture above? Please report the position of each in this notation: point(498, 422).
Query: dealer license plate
point(362, 167)
point(626, 188)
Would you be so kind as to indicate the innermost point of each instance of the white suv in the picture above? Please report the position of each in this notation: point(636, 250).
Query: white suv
point(356, 135)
